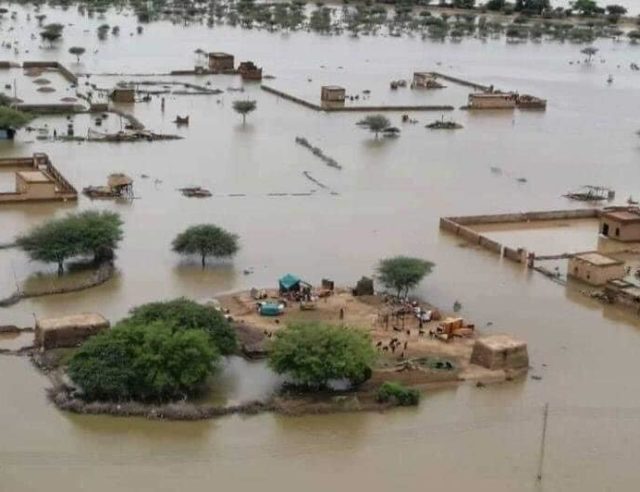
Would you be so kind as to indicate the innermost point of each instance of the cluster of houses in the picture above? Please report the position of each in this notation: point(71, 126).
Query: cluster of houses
point(225, 63)
point(601, 270)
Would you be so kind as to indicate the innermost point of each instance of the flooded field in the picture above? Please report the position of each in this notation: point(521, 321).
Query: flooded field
point(389, 196)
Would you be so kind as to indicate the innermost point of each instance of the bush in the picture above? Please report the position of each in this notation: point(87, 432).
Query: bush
point(183, 314)
point(143, 362)
point(312, 354)
point(397, 394)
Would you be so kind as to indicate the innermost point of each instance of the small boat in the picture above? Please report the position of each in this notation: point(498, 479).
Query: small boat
point(610, 79)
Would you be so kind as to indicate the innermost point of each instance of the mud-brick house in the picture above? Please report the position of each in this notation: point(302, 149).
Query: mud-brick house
point(595, 268)
point(332, 93)
point(492, 100)
point(221, 62)
point(621, 224)
point(68, 331)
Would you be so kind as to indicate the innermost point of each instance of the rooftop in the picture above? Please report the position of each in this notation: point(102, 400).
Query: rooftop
point(84, 319)
point(597, 259)
point(501, 342)
point(220, 54)
point(332, 88)
point(34, 177)
point(629, 215)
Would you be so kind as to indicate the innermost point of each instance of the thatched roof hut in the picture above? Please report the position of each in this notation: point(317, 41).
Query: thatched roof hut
point(68, 331)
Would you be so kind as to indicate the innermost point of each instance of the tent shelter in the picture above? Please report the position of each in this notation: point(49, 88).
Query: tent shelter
point(289, 283)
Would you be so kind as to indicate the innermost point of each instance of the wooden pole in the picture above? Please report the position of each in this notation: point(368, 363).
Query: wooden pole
point(543, 439)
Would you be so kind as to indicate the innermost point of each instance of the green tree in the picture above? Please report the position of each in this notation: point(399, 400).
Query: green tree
point(52, 242)
point(184, 314)
point(89, 232)
point(312, 354)
point(616, 9)
point(402, 273)
point(244, 108)
point(147, 362)
point(100, 232)
point(12, 118)
point(206, 240)
point(532, 6)
point(585, 7)
point(77, 51)
point(397, 394)
point(495, 5)
point(589, 51)
point(375, 123)
point(50, 36)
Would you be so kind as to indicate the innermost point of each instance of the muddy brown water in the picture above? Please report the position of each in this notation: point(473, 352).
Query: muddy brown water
point(391, 194)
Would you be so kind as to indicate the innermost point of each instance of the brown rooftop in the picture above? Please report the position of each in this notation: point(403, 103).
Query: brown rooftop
point(597, 259)
point(627, 216)
point(84, 319)
point(34, 177)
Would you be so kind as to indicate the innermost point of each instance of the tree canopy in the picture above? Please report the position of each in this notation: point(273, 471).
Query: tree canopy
point(77, 51)
point(89, 232)
point(147, 362)
point(585, 7)
point(312, 354)
point(375, 123)
point(184, 314)
point(12, 118)
point(206, 240)
point(244, 107)
point(402, 273)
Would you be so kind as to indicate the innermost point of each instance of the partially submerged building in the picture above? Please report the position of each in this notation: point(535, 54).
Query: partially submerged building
point(68, 331)
point(595, 268)
point(500, 352)
point(123, 95)
point(332, 93)
point(221, 62)
point(426, 80)
point(492, 100)
point(37, 180)
point(621, 224)
point(249, 71)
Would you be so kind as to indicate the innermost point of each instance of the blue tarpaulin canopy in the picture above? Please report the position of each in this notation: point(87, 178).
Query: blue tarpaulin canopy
point(289, 282)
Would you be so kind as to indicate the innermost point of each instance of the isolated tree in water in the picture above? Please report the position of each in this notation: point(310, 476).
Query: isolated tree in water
point(589, 51)
point(206, 240)
point(244, 108)
point(87, 233)
point(376, 123)
point(77, 51)
point(402, 273)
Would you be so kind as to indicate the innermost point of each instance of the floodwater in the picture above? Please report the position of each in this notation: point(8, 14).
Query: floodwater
point(390, 196)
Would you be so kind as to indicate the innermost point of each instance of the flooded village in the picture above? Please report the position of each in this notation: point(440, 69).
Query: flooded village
point(256, 193)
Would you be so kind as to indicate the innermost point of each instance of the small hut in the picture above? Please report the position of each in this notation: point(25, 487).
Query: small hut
point(221, 62)
point(250, 71)
point(497, 352)
point(123, 95)
point(332, 93)
point(68, 331)
point(120, 184)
